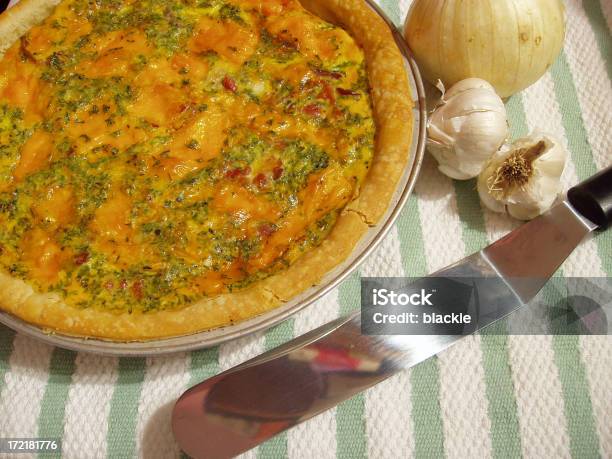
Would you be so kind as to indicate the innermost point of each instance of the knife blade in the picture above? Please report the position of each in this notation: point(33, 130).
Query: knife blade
point(239, 409)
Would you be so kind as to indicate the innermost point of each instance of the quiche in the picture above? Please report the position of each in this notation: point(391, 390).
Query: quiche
point(172, 166)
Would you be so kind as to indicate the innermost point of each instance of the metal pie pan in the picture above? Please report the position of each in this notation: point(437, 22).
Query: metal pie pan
point(365, 247)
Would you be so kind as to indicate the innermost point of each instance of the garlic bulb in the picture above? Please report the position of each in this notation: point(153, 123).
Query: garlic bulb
point(524, 179)
point(509, 43)
point(466, 129)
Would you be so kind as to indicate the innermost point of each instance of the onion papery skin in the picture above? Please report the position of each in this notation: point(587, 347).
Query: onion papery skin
point(509, 43)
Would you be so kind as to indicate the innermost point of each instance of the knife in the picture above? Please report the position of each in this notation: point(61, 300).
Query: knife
point(241, 408)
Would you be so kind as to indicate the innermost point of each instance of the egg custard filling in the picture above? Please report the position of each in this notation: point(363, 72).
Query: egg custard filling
point(155, 152)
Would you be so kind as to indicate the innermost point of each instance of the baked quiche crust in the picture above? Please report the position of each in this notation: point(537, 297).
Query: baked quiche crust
point(392, 112)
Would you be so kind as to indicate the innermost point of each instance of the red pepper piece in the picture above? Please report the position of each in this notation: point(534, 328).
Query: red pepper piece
point(137, 287)
point(81, 258)
point(328, 93)
point(238, 172)
point(229, 84)
point(312, 110)
point(328, 74)
point(260, 180)
point(348, 92)
point(266, 229)
point(277, 172)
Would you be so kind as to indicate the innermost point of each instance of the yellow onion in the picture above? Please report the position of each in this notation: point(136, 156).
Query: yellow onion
point(509, 43)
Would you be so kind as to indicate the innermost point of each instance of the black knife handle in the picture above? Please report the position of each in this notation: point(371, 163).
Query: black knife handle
point(593, 198)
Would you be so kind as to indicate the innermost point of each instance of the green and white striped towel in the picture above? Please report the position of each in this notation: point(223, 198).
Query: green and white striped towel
point(488, 396)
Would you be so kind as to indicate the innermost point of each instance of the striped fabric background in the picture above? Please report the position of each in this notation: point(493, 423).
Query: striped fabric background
point(488, 396)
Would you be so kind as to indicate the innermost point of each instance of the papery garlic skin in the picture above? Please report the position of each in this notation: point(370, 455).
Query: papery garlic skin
point(468, 126)
point(540, 189)
point(509, 43)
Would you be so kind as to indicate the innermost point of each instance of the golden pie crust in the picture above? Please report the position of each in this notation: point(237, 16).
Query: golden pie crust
point(392, 109)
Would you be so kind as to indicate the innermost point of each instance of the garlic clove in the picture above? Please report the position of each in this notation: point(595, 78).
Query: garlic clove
point(468, 126)
point(524, 179)
point(465, 85)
